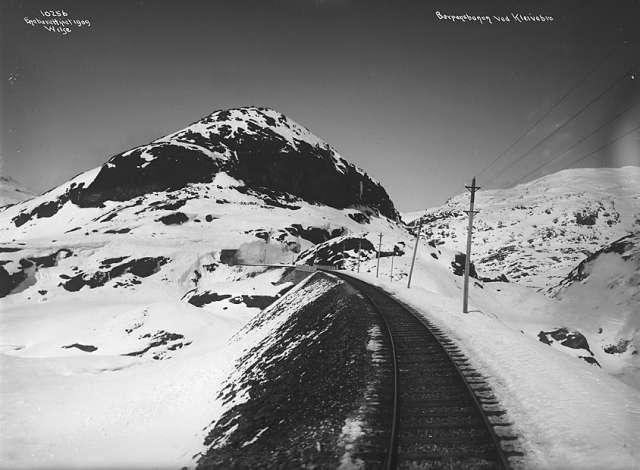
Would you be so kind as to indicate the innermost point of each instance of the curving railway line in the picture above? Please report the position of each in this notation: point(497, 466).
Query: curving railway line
point(444, 415)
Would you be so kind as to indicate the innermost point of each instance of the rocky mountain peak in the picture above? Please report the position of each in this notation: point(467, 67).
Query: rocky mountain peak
point(259, 146)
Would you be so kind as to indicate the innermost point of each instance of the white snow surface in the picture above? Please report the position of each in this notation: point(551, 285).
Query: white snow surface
point(65, 408)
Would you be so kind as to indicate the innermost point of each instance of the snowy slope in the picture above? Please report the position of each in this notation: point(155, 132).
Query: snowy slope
point(602, 295)
point(12, 192)
point(536, 232)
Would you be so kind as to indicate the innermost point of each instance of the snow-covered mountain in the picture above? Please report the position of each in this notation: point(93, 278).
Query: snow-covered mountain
point(259, 146)
point(12, 192)
point(246, 178)
point(535, 233)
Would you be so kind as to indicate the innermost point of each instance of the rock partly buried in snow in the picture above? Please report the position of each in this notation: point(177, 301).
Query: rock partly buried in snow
point(142, 267)
point(315, 234)
point(259, 146)
point(251, 301)
point(44, 210)
point(254, 301)
point(26, 270)
point(338, 251)
point(458, 262)
point(81, 347)
point(172, 341)
point(360, 217)
point(206, 298)
point(177, 218)
point(109, 261)
point(6, 282)
point(46, 261)
point(570, 339)
point(9, 249)
point(619, 348)
point(312, 234)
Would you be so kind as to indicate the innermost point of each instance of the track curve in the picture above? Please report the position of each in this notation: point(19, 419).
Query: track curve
point(444, 413)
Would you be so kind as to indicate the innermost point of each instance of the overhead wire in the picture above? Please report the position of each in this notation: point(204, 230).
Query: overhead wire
point(575, 144)
point(611, 142)
point(566, 94)
point(612, 85)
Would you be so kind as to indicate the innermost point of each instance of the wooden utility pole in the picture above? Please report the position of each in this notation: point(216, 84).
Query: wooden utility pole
point(359, 245)
point(264, 253)
point(467, 260)
point(392, 257)
point(379, 248)
point(293, 261)
point(415, 251)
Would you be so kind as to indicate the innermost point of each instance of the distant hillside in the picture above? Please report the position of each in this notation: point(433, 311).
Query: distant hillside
point(535, 233)
point(12, 191)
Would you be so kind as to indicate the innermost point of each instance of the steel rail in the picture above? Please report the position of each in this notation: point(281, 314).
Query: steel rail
point(392, 455)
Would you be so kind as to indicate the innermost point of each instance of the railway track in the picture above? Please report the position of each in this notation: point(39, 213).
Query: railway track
point(444, 414)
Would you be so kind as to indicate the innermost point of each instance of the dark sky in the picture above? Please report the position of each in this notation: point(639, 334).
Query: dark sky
point(422, 104)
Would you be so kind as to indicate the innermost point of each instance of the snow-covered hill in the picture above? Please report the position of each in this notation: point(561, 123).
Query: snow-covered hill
point(261, 147)
point(535, 233)
point(12, 191)
point(602, 295)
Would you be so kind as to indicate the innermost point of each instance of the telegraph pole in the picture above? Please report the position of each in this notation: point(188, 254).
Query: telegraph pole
point(465, 296)
point(392, 257)
point(359, 243)
point(379, 248)
point(267, 240)
point(415, 251)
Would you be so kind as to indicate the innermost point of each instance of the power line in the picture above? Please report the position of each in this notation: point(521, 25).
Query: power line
point(611, 142)
point(567, 121)
point(575, 86)
point(559, 156)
